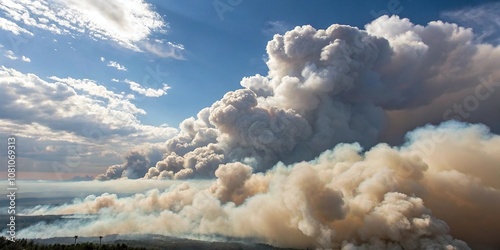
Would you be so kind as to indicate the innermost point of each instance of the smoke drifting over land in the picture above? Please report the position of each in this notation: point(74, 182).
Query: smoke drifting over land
point(326, 89)
point(342, 199)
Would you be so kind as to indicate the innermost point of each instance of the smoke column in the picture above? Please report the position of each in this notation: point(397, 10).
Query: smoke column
point(326, 89)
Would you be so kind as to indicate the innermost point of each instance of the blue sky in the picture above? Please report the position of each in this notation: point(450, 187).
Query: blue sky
point(217, 53)
point(187, 53)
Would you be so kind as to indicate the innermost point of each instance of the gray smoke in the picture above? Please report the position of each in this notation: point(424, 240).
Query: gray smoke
point(136, 164)
point(325, 87)
point(293, 114)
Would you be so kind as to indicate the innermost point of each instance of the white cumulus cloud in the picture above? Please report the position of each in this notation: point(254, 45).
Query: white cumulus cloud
point(78, 115)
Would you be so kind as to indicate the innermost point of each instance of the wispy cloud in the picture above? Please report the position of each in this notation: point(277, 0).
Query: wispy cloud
point(149, 92)
point(12, 26)
point(130, 24)
point(276, 27)
point(116, 65)
point(25, 59)
point(12, 56)
point(483, 19)
point(168, 49)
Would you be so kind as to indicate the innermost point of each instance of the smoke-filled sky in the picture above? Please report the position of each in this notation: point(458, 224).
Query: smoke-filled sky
point(331, 124)
point(84, 83)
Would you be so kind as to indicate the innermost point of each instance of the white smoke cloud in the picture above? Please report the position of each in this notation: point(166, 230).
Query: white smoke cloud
point(326, 88)
point(329, 86)
point(384, 198)
point(278, 116)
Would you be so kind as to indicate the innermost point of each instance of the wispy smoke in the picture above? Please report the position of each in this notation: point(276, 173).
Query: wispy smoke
point(342, 199)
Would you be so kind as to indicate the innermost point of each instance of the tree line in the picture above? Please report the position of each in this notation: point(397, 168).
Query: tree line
point(25, 244)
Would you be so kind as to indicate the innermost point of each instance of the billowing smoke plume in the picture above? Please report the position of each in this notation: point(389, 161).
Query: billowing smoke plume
point(325, 87)
point(294, 113)
point(135, 166)
point(384, 198)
